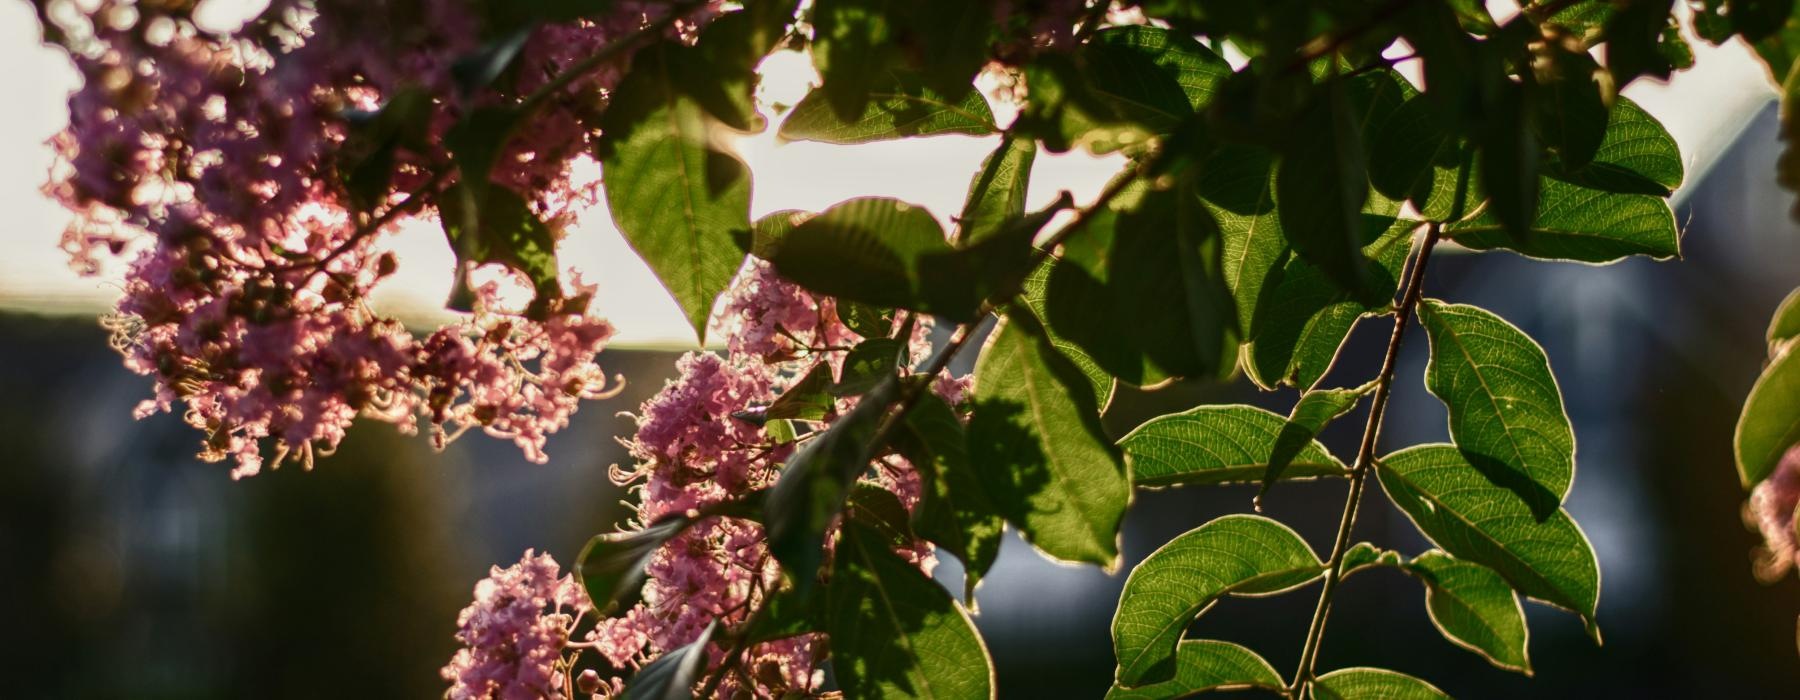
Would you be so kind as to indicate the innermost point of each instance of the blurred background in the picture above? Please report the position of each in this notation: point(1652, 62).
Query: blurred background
point(129, 569)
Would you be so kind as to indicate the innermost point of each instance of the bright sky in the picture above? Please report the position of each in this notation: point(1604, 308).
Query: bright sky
point(1704, 109)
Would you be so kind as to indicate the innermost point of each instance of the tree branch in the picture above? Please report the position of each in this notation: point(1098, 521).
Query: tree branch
point(1365, 456)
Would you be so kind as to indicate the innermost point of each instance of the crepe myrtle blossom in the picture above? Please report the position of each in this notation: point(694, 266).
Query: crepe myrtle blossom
point(1771, 510)
point(212, 168)
point(514, 633)
point(699, 442)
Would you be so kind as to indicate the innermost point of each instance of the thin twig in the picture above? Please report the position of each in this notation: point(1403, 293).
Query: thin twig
point(1365, 456)
point(412, 202)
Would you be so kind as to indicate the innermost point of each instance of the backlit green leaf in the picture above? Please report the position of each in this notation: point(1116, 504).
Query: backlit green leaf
point(502, 229)
point(815, 484)
point(1221, 444)
point(898, 106)
point(807, 399)
point(997, 192)
point(854, 46)
point(1299, 331)
point(1203, 665)
point(1473, 607)
point(1321, 187)
point(679, 200)
point(1193, 66)
point(1037, 288)
point(1373, 684)
point(1235, 554)
point(1315, 409)
point(1149, 244)
point(868, 250)
point(1238, 184)
point(1506, 412)
point(1125, 85)
point(866, 365)
point(1638, 156)
point(1459, 506)
point(673, 675)
point(894, 632)
point(611, 567)
point(1770, 423)
point(1580, 224)
point(1045, 460)
point(1785, 324)
point(954, 510)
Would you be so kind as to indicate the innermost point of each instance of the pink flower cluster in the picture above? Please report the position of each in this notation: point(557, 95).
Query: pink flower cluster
point(215, 165)
point(1772, 508)
point(699, 443)
point(514, 633)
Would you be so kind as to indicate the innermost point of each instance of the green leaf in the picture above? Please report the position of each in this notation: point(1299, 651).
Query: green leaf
point(766, 234)
point(365, 161)
point(1148, 244)
point(1193, 66)
point(1374, 98)
point(1569, 111)
point(673, 675)
point(1321, 187)
point(780, 431)
point(1126, 84)
point(1412, 156)
point(1580, 224)
point(1506, 411)
point(1236, 554)
point(815, 484)
point(1045, 460)
point(1458, 505)
point(1770, 423)
point(807, 399)
point(1315, 409)
point(1203, 665)
point(1238, 184)
point(865, 249)
point(954, 510)
point(854, 45)
point(894, 632)
point(1785, 324)
point(1219, 445)
point(1037, 290)
point(476, 141)
point(611, 566)
point(865, 320)
point(1474, 608)
point(1297, 339)
point(867, 364)
point(1373, 684)
point(721, 73)
point(1509, 161)
point(952, 39)
point(881, 511)
point(505, 231)
point(1638, 156)
point(997, 193)
point(679, 200)
point(886, 253)
point(1363, 555)
point(899, 107)
point(787, 613)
